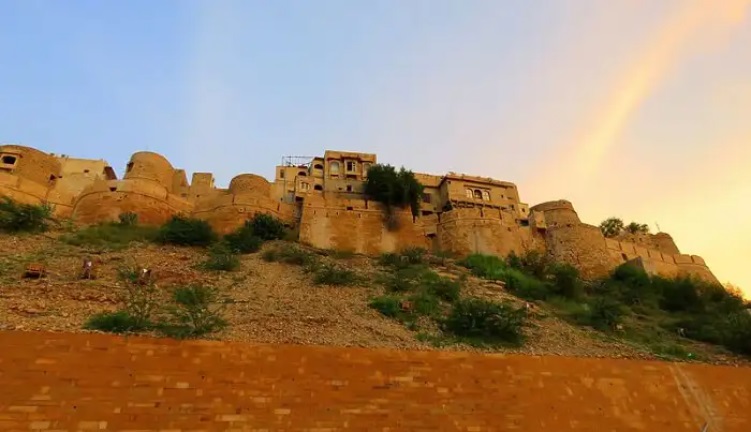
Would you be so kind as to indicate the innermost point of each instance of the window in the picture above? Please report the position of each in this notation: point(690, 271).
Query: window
point(318, 166)
point(85, 171)
point(9, 160)
point(468, 192)
point(351, 165)
point(304, 186)
point(129, 167)
point(302, 174)
point(426, 198)
point(318, 187)
point(349, 188)
point(477, 194)
point(281, 174)
point(334, 168)
point(486, 195)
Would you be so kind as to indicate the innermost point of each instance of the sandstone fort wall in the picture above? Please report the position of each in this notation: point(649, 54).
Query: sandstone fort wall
point(458, 213)
point(58, 381)
point(489, 231)
point(355, 226)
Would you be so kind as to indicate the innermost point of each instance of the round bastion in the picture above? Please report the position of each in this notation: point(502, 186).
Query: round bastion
point(32, 164)
point(150, 166)
point(557, 213)
point(249, 183)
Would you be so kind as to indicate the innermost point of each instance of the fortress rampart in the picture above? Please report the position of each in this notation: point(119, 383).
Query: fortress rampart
point(323, 197)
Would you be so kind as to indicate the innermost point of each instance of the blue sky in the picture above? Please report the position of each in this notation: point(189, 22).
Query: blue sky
point(632, 108)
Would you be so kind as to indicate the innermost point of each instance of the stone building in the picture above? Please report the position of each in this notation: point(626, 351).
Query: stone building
point(322, 196)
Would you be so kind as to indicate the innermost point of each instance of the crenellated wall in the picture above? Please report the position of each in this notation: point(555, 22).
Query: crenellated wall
point(583, 246)
point(656, 262)
point(330, 210)
point(247, 195)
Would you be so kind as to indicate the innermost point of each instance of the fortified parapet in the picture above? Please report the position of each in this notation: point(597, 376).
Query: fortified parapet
point(247, 195)
point(146, 190)
point(663, 242)
point(572, 242)
point(557, 213)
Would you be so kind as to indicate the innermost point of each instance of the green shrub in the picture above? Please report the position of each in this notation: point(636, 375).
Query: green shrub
point(525, 286)
point(443, 288)
point(486, 321)
point(565, 281)
point(387, 305)
point(533, 262)
point(294, 255)
point(243, 240)
point(114, 322)
point(185, 231)
point(736, 332)
point(17, 217)
point(390, 259)
point(267, 227)
point(110, 236)
point(403, 279)
point(605, 313)
point(333, 275)
point(414, 255)
point(270, 255)
point(424, 303)
point(485, 266)
point(194, 313)
point(128, 219)
point(221, 258)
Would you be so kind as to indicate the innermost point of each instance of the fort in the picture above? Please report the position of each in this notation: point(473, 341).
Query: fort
point(323, 199)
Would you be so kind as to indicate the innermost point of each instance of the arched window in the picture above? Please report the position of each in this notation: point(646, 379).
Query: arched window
point(302, 174)
point(318, 187)
point(468, 192)
point(334, 167)
point(486, 195)
point(478, 194)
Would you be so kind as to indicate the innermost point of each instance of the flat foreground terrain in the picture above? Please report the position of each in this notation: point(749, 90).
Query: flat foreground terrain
point(67, 381)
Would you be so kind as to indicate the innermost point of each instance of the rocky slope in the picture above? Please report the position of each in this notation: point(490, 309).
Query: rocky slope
point(269, 302)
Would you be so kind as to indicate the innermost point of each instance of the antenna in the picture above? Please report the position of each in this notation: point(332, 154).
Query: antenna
point(298, 161)
point(658, 227)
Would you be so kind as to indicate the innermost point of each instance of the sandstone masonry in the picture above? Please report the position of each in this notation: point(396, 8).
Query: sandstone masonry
point(323, 197)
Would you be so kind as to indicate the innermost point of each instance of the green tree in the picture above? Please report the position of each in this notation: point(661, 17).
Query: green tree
point(635, 228)
point(393, 189)
point(611, 227)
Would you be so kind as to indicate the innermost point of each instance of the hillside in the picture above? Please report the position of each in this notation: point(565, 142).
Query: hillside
point(276, 302)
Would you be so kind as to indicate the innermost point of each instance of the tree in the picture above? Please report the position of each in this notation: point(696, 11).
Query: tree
point(611, 227)
point(393, 189)
point(636, 228)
